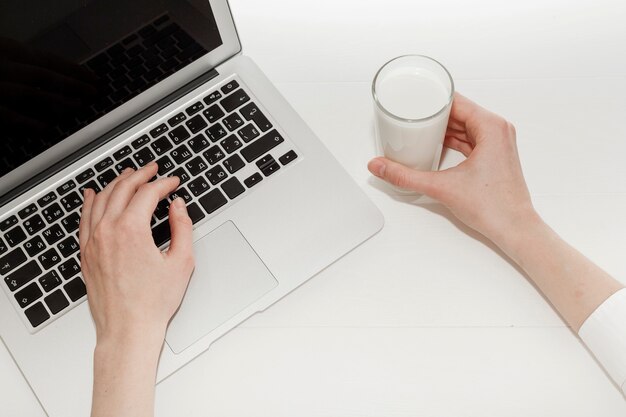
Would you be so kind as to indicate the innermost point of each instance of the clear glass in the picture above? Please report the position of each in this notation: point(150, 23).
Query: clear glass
point(412, 99)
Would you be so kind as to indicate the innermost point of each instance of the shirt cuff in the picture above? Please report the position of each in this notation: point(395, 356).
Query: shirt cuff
point(604, 333)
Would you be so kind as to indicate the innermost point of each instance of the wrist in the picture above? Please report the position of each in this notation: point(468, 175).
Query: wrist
point(524, 226)
point(148, 339)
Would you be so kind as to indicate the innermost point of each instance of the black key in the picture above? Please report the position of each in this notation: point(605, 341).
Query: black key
point(68, 246)
point(180, 173)
point(214, 154)
point(252, 112)
point(56, 301)
point(262, 145)
point(158, 131)
point(235, 100)
point(231, 144)
point(165, 165)
point(140, 141)
point(71, 222)
point(8, 222)
point(37, 314)
point(11, 260)
point(34, 224)
point(75, 289)
point(232, 187)
point(28, 295)
point(143, 156)
point(196, 124)
point(213, 200)
point(253, 180)
point(232, 122)
point(216, 132)
point(213, 97)
point(66, 187)
point(288, 157)
point(230, 87)
point(198, 143)
point(49, 258)
point(106, 177)
point(47, 199)
point(179, 134)
point(34, 246)
point(233, 164)
point(122, 153)
point(269, 169)
point(15, 236)
point(194, 108)
point(104, 164)
point(126, 163)
point(69, 268)
point(181, 154)
point(195, 213)
point(213, 113)
point(199, 186)
point(216, 175)
point(85, 175)
point(53, 234)
point(181, 193)
point(161, 233)
point(23, 276)
point(161, 145)
point(248, 132)
point(52, 213)
point(71, 201)
point(196, 166)
point(162, 209)
point(173, 121)
point(50, 281)
point(89, 184)
point(27, 211)
point(265, 161)
point(3, 247)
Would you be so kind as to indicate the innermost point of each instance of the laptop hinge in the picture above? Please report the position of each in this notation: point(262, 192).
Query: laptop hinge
point(104, 139)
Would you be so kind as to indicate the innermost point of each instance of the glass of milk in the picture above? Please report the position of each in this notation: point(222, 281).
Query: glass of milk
point(413, 96)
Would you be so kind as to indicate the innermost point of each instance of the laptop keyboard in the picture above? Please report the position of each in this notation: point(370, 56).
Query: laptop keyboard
point(220, 147)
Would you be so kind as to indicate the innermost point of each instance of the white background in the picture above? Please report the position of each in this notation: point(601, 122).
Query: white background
point(427, 318)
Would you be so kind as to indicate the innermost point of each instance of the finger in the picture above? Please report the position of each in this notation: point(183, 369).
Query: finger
point(143, 204)
point(423, 182)
point(459, 134)
point(181, 245)
point(125, 190)
point(458, 145)
point(85, 218)
point(101, 200)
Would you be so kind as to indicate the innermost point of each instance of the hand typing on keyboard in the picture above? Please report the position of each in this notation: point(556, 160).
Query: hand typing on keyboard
point(133, 288)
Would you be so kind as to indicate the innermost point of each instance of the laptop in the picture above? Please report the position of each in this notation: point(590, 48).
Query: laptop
point(91, 88)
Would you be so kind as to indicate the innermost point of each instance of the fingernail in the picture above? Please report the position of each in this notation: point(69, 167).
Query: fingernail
point(377, 167)
point(127, 170)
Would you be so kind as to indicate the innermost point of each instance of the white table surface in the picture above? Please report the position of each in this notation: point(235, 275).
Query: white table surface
point(426, 318)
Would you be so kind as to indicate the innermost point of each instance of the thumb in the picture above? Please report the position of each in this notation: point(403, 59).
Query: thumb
point(181, 246)
point(401, 176)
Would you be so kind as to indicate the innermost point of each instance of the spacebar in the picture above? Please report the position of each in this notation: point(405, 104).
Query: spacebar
point(260, 146)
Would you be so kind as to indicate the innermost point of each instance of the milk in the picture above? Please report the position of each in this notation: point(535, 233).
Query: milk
point(412, 94)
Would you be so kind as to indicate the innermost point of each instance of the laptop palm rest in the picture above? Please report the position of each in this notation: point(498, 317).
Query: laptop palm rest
point(229, 276)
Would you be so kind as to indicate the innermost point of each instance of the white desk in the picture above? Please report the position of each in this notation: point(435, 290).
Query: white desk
point(426, 319)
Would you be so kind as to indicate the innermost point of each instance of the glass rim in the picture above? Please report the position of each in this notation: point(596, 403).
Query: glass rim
point(402, 119)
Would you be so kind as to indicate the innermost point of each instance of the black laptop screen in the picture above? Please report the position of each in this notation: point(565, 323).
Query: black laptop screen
point(66, 63)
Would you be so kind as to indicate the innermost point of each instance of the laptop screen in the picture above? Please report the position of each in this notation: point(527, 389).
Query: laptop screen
point(66, 63)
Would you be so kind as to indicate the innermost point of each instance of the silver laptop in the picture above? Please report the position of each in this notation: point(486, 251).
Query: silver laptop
point(95, 87)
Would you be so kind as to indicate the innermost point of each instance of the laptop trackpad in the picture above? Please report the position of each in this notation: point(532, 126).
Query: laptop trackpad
point(229, 276)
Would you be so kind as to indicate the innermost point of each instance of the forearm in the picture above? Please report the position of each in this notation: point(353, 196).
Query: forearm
point(125, 374)
point(574, 285)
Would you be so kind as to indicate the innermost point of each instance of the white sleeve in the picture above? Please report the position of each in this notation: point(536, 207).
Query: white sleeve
point(604, 333)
